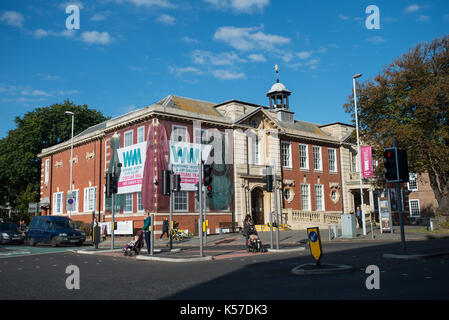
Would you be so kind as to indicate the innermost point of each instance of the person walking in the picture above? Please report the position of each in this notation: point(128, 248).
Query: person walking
point(358, 215)
point(164, 228)
point(146, 229)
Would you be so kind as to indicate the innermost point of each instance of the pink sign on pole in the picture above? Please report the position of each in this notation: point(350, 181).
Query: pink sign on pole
point(367, 162)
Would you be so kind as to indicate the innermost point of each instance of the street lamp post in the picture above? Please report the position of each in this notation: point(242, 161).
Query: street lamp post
point(358, 150)
point(71, 151)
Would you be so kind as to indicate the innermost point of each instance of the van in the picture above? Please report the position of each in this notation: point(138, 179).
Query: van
point(55, 230)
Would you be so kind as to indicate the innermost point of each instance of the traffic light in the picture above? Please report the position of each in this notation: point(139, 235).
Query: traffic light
point(166, 182)
point(403, 166)
point(108, 185)
point(390, 165)
point(114, 183)
point(209, 191)
point(207, 175)
point(176, 182)
point(268, 179)
point(197, 192)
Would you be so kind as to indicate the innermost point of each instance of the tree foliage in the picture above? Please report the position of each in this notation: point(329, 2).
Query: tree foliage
point(20, 168)
point(409, 102)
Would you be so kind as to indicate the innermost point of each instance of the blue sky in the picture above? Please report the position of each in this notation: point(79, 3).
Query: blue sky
point(128, 54)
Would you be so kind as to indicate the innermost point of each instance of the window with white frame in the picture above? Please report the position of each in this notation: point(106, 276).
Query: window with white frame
point(140, 207)
point(305, 197)
point(179, 133)
point(47, 168)
point(413, 182)
point(128, 208)
point(286, 151)
point(58, 202)
point(76, 194)
point(414, 208)
point(140, 134)
point(181, 201)
point(303, 157)
point(332, 155)
point(255, 149)
point(128, 138)
point(319, 197)
point(90, 199)
point(354, 161)
point(317, 163)
point(200, 136)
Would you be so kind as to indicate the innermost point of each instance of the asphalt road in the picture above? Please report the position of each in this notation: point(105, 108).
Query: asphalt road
point(254, 277)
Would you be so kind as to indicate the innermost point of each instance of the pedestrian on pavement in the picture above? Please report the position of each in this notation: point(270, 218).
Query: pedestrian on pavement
point(164, 228)
point(146, 229)
point(105, 232)
point(358, 215)
point(246, 225)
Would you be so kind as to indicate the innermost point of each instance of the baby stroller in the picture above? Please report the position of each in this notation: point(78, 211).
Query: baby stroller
point(134, 246)
point(254, 243)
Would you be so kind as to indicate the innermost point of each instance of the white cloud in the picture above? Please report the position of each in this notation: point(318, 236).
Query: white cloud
point(12, 18)
point(423, 18)
point(246, 39)
point(35, 93)
point(220, 59)
point(98, 17)
point(65, 4)
point(95, 37)
point(247, 6)
point(153, 3)
point(257, 58)
point(41, 33)
point(304, 54)
point(413, 8)
point(376, 40)
point(228, 75)
point(190, 40)
point(180, 71)
point(342, 17)
point(166, 19)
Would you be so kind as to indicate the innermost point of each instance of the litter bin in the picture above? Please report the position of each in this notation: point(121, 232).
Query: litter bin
point(348, 226)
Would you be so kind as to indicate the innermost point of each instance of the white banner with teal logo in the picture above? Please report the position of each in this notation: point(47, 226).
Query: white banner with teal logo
point(184, 158)
point(132, 159)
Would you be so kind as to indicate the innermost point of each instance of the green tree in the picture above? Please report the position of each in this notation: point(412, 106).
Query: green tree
point(409, 102)
point(20, 168)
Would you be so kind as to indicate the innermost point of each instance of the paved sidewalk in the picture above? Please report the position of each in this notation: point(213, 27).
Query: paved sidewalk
point(232, 245)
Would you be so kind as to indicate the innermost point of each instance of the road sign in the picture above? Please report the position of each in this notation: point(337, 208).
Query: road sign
point(313, 234)
point(70, 201)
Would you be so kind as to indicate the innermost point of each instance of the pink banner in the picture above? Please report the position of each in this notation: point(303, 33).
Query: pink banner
point(367, 162)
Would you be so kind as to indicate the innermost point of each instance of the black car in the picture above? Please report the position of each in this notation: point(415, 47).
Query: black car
point(9, 233)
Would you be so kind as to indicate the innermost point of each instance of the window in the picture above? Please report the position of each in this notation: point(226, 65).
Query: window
point(393, 200)
point(319, 197)
point(287, 194)
point(286, 154)
point(303, 157)
point(332, 155)
point(354, 162)
point(128, 208)
point(139, 202)
point(90, 199)
point(317, 165)
point(58, 202)
point(47, 167)
point(181, 201)
point(76, 193)
point(179, 133)
point(140, 134)
point(255, 149)
point(200, 136)
point(128, 138)
point(305, 197)
point(414, 208)
point(413, 182)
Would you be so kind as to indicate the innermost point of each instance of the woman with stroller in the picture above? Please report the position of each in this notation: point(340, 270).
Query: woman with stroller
point(248, 224)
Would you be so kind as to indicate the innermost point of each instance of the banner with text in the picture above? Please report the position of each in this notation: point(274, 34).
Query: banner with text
point(367, 162)
point(132, 159)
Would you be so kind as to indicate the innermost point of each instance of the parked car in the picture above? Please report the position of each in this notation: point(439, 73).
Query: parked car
point(55, 230)
point(9, 233)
